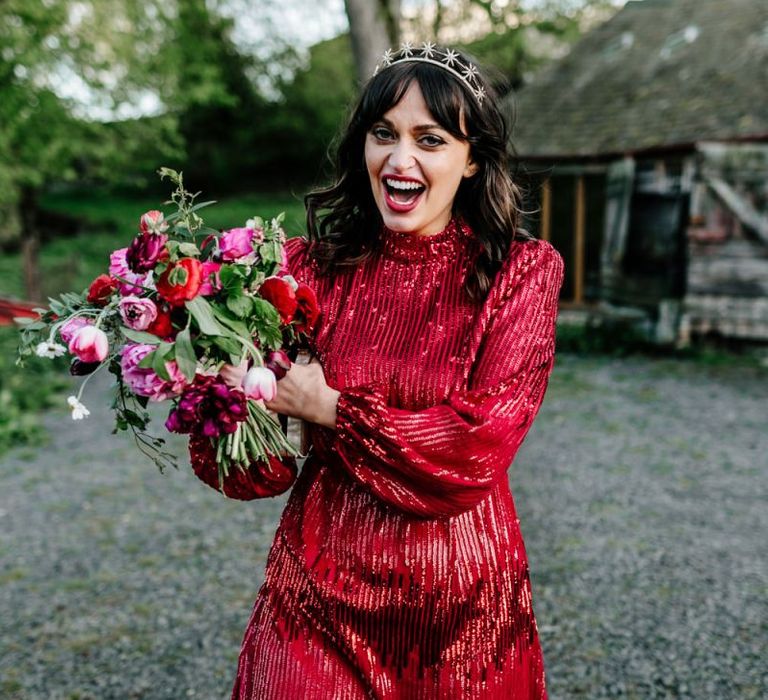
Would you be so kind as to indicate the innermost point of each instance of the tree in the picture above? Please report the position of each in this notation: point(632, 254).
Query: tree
point(374, 26)
point(48, 42)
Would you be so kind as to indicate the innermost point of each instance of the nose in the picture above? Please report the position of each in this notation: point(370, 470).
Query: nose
point(401, 156)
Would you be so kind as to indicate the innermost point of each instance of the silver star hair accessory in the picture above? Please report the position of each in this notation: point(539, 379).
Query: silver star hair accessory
point(428, 49)
point(447, 59)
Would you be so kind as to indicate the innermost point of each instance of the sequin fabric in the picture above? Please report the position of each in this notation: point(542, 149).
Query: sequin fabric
point(398, 569)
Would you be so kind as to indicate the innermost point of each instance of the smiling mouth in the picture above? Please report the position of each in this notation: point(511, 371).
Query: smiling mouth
point(403, 191)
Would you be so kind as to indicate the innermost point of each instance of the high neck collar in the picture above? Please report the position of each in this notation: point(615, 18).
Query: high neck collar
point(414, 247)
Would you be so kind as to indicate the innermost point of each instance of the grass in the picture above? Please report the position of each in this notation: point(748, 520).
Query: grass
point(24, 392)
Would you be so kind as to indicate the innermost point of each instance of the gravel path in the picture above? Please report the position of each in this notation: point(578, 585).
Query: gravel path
point(641, 493)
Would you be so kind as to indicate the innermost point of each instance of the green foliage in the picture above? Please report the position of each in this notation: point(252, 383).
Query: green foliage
point(615, 339)
point(24, 391)
point(311, 112)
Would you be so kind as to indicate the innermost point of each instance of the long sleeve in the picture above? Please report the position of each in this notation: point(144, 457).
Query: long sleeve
point(260, 480)
point(444, 459)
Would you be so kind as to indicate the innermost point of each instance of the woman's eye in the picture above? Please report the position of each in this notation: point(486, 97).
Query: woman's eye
point(430, 140)
point(381, 133)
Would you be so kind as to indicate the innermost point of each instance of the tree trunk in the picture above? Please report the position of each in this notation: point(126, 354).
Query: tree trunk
point(30, 244)
point(374, 26)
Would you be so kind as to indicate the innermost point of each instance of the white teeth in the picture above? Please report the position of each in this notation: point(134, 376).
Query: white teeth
point(403, 185)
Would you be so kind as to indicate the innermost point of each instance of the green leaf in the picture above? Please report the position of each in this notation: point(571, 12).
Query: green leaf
point(189, 250)
point(140, 336)
point(147, 361)
point(233, 324)
point(158, 366)
point(185, 354)
point(228, 345)
point(240, 305)
point(178, 276)
point(201, 205)
point(136, 420)
point(270, 337)
point(266, 312)
point(231, 276)
point(203, 313)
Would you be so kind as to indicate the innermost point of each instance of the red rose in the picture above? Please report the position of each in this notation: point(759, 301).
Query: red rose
point(281, 295)
point(161, 326)
point(180, 281)
point(308, 311)
point(101, 289)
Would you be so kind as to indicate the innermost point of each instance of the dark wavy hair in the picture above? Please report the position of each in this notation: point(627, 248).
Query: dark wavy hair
point(343, 221)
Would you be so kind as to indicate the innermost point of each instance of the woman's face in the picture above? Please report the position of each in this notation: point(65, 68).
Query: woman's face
point(415, 166)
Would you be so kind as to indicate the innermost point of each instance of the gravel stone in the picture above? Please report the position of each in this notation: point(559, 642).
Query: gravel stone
point(641, 493)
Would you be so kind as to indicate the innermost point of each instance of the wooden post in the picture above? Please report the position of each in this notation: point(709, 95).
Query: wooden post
point(30, 245)
point(546, 210)
point(579, 240)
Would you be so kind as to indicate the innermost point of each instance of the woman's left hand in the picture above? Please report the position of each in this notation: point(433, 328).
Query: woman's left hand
point(304, 393)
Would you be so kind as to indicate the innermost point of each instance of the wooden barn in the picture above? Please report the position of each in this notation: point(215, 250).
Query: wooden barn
point(646, 154)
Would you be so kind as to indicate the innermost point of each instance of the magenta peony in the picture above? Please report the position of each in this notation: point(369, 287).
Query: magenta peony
point(129, 282)
point(89, 344)
point(137, 313)
point(236, 243)
point(143, 381)
point(146, 250)
point(211, 282)
point(69, 328)
point(208, 407)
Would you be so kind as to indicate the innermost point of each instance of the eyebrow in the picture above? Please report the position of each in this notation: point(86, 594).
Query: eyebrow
point(419, 127)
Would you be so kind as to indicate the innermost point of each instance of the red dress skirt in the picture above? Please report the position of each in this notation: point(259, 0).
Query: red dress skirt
point(398, 569)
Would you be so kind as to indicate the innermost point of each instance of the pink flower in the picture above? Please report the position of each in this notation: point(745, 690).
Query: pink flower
point(137, 313)
point(208, 407)
point(144, 381)
point(90, 344)
point(236, 243)
point(146, 250)
point(211, 282)
point(153, 222)
point(260, 383)
point(129, 282)
point(69, 328)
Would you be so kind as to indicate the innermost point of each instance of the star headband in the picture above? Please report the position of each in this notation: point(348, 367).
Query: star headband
point(447, 59)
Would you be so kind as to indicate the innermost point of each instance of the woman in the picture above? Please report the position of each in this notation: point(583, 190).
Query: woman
point(398, 569)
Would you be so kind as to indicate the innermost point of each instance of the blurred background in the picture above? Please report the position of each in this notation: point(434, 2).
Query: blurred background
point(641, 142)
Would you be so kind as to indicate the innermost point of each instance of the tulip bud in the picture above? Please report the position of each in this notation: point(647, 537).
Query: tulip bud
point(279, 363)
point(153, 222)
point(260, 383)
point(78, 368)
point(90, 344)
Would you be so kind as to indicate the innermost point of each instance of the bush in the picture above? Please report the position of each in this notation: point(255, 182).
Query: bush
point(24, 391)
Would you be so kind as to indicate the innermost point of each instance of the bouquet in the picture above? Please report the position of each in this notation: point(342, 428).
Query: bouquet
point(171, 320)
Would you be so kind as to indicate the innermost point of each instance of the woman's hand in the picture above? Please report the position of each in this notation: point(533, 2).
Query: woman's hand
point(304, 393)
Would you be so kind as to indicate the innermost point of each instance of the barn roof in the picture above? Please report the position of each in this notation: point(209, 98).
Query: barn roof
point(658, 74)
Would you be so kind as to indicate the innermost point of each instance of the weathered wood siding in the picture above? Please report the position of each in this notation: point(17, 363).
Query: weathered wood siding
point(727, 272)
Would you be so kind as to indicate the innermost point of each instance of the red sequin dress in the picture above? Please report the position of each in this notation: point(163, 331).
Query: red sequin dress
point(398, 569)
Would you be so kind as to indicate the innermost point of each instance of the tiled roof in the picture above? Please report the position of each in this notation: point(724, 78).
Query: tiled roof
point(659, 73)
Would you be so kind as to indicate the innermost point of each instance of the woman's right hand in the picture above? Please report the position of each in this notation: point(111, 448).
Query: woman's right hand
point(234, 374)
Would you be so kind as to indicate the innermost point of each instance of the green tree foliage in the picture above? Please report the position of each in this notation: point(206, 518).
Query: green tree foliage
point(218, 108)
point(310, 113)
point(45, 44)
